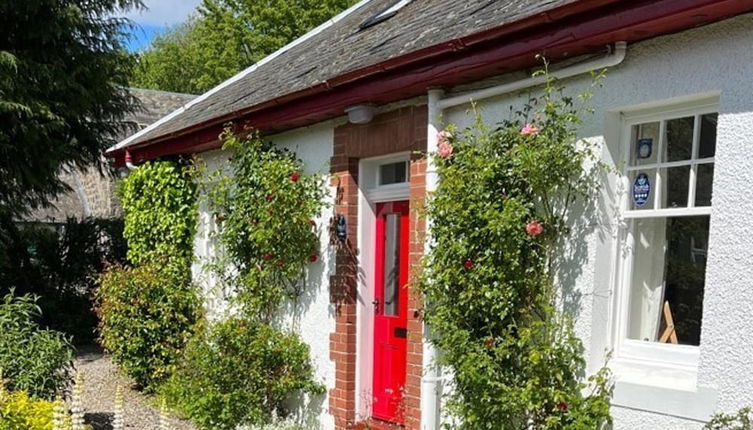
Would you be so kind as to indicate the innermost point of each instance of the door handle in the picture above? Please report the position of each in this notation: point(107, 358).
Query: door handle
point(375, 302)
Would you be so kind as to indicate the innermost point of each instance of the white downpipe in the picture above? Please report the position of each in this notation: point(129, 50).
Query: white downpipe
point(610, 60)
point(431, 381)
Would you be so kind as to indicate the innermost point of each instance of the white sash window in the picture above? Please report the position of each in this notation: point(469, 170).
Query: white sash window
point(668, 173)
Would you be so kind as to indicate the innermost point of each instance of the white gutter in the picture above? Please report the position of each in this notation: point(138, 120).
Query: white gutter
point(610, 60)
point(431, 381)
point(128, 141)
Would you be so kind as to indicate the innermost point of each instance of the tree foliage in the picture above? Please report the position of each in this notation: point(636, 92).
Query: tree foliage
point(225, 37)
point(500, 211)
point(63, 81)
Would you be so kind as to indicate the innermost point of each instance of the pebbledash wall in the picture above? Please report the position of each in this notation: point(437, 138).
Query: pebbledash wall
point(713, 62)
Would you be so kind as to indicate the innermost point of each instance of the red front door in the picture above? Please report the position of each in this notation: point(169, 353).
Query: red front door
point(391, 310)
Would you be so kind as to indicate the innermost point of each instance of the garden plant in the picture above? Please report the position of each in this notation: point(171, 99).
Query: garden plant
point(240, 370)
point(500, 216)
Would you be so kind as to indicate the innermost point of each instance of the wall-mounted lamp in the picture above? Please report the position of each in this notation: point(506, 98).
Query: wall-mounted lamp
point(361, 114)
point(342, 228)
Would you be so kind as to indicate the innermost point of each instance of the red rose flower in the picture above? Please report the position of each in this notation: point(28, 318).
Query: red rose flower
point(313, 223)
point(270, 198)
point(294, 177)
point(489, 342)
point(468, 263)
point(267, 256)
point(313, 258)
point(562, 406)
point(534, 228)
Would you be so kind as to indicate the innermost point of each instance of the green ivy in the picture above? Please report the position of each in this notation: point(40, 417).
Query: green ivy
point(500, 211)
point(159, 201)
point(740, 420)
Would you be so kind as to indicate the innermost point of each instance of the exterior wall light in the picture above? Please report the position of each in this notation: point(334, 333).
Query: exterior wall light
point(361, 114)
point(342, 228)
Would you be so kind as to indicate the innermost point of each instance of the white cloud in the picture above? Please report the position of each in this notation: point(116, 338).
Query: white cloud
point(164, 12)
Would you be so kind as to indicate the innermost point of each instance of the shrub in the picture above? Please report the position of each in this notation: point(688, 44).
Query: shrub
point(146, 316)
point(20, 412)
point(498, 215)
point(236, 372)
point(60, 264)
point(741, 420)
point(33, 360)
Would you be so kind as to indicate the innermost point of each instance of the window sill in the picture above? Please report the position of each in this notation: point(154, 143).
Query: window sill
point(662, 389)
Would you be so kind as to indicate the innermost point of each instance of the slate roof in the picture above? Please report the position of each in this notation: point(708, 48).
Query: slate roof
point(92, 193)
point(342, 48)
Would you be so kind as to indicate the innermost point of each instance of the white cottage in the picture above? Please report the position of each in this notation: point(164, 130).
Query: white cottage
point(363, 96)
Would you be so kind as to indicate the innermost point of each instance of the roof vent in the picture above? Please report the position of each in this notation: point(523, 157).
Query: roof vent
point(384, 14)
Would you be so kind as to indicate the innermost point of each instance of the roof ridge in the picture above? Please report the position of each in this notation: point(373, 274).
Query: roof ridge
point(150, 90)
point(321, 27)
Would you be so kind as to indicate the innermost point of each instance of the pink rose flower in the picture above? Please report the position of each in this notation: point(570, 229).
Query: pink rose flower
point(529, 130)
point(534, 228)
point(444, 136)
point(444, 150)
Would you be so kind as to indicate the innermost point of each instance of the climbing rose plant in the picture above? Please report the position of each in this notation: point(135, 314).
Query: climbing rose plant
point(265, 207)
point(500, 213)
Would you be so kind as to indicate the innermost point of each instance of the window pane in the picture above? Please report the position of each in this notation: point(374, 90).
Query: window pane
point(676, 182)
point(644, 138)
point(669, 270)
point(704, 184)
point(642, 189)
point(393, 173)
point(679, 139)
point(707, 144)
point(391, 287)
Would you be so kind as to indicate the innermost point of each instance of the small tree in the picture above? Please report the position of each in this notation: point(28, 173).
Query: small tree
point(501, 209)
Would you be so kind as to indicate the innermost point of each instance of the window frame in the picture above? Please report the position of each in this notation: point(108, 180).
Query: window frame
point(633, 351)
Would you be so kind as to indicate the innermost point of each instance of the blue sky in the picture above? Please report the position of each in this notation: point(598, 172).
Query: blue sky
point(161, 15)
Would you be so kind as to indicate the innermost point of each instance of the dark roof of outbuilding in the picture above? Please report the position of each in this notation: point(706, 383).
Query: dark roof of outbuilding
point(342, 47)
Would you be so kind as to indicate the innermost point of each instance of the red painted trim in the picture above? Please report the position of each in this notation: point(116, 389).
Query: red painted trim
point(575, 29)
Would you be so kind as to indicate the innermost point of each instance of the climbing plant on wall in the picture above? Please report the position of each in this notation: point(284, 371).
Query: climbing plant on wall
point(239, 370)
point(265, 208)
point(159, 201)
point(147, 312)
point(500, 214)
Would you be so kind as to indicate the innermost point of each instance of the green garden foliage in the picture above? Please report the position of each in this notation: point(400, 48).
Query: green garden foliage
point(32, 360)
point(741, 420)
point(502, 208)
point(63, 92)
point(265, 208)
point(239, 372)
point(159, 201)
point(146, 316)
point(18, 411)
point(225, 37)
point(60, 263)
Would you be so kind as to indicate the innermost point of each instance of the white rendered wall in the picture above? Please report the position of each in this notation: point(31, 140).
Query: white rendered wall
point(711, 59)
point(312, 315)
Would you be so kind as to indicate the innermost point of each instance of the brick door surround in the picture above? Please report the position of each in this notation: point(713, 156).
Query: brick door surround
point(400, 130)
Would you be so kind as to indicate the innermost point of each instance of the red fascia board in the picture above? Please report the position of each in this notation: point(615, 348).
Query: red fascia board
point(564, 36)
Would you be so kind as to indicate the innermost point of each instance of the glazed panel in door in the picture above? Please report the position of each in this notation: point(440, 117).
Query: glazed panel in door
point(391, 310)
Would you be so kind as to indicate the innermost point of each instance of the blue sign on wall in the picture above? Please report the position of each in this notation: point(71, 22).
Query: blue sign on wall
point(641, 189)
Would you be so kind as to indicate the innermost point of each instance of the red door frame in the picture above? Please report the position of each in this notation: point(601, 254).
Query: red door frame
point(390, 325)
